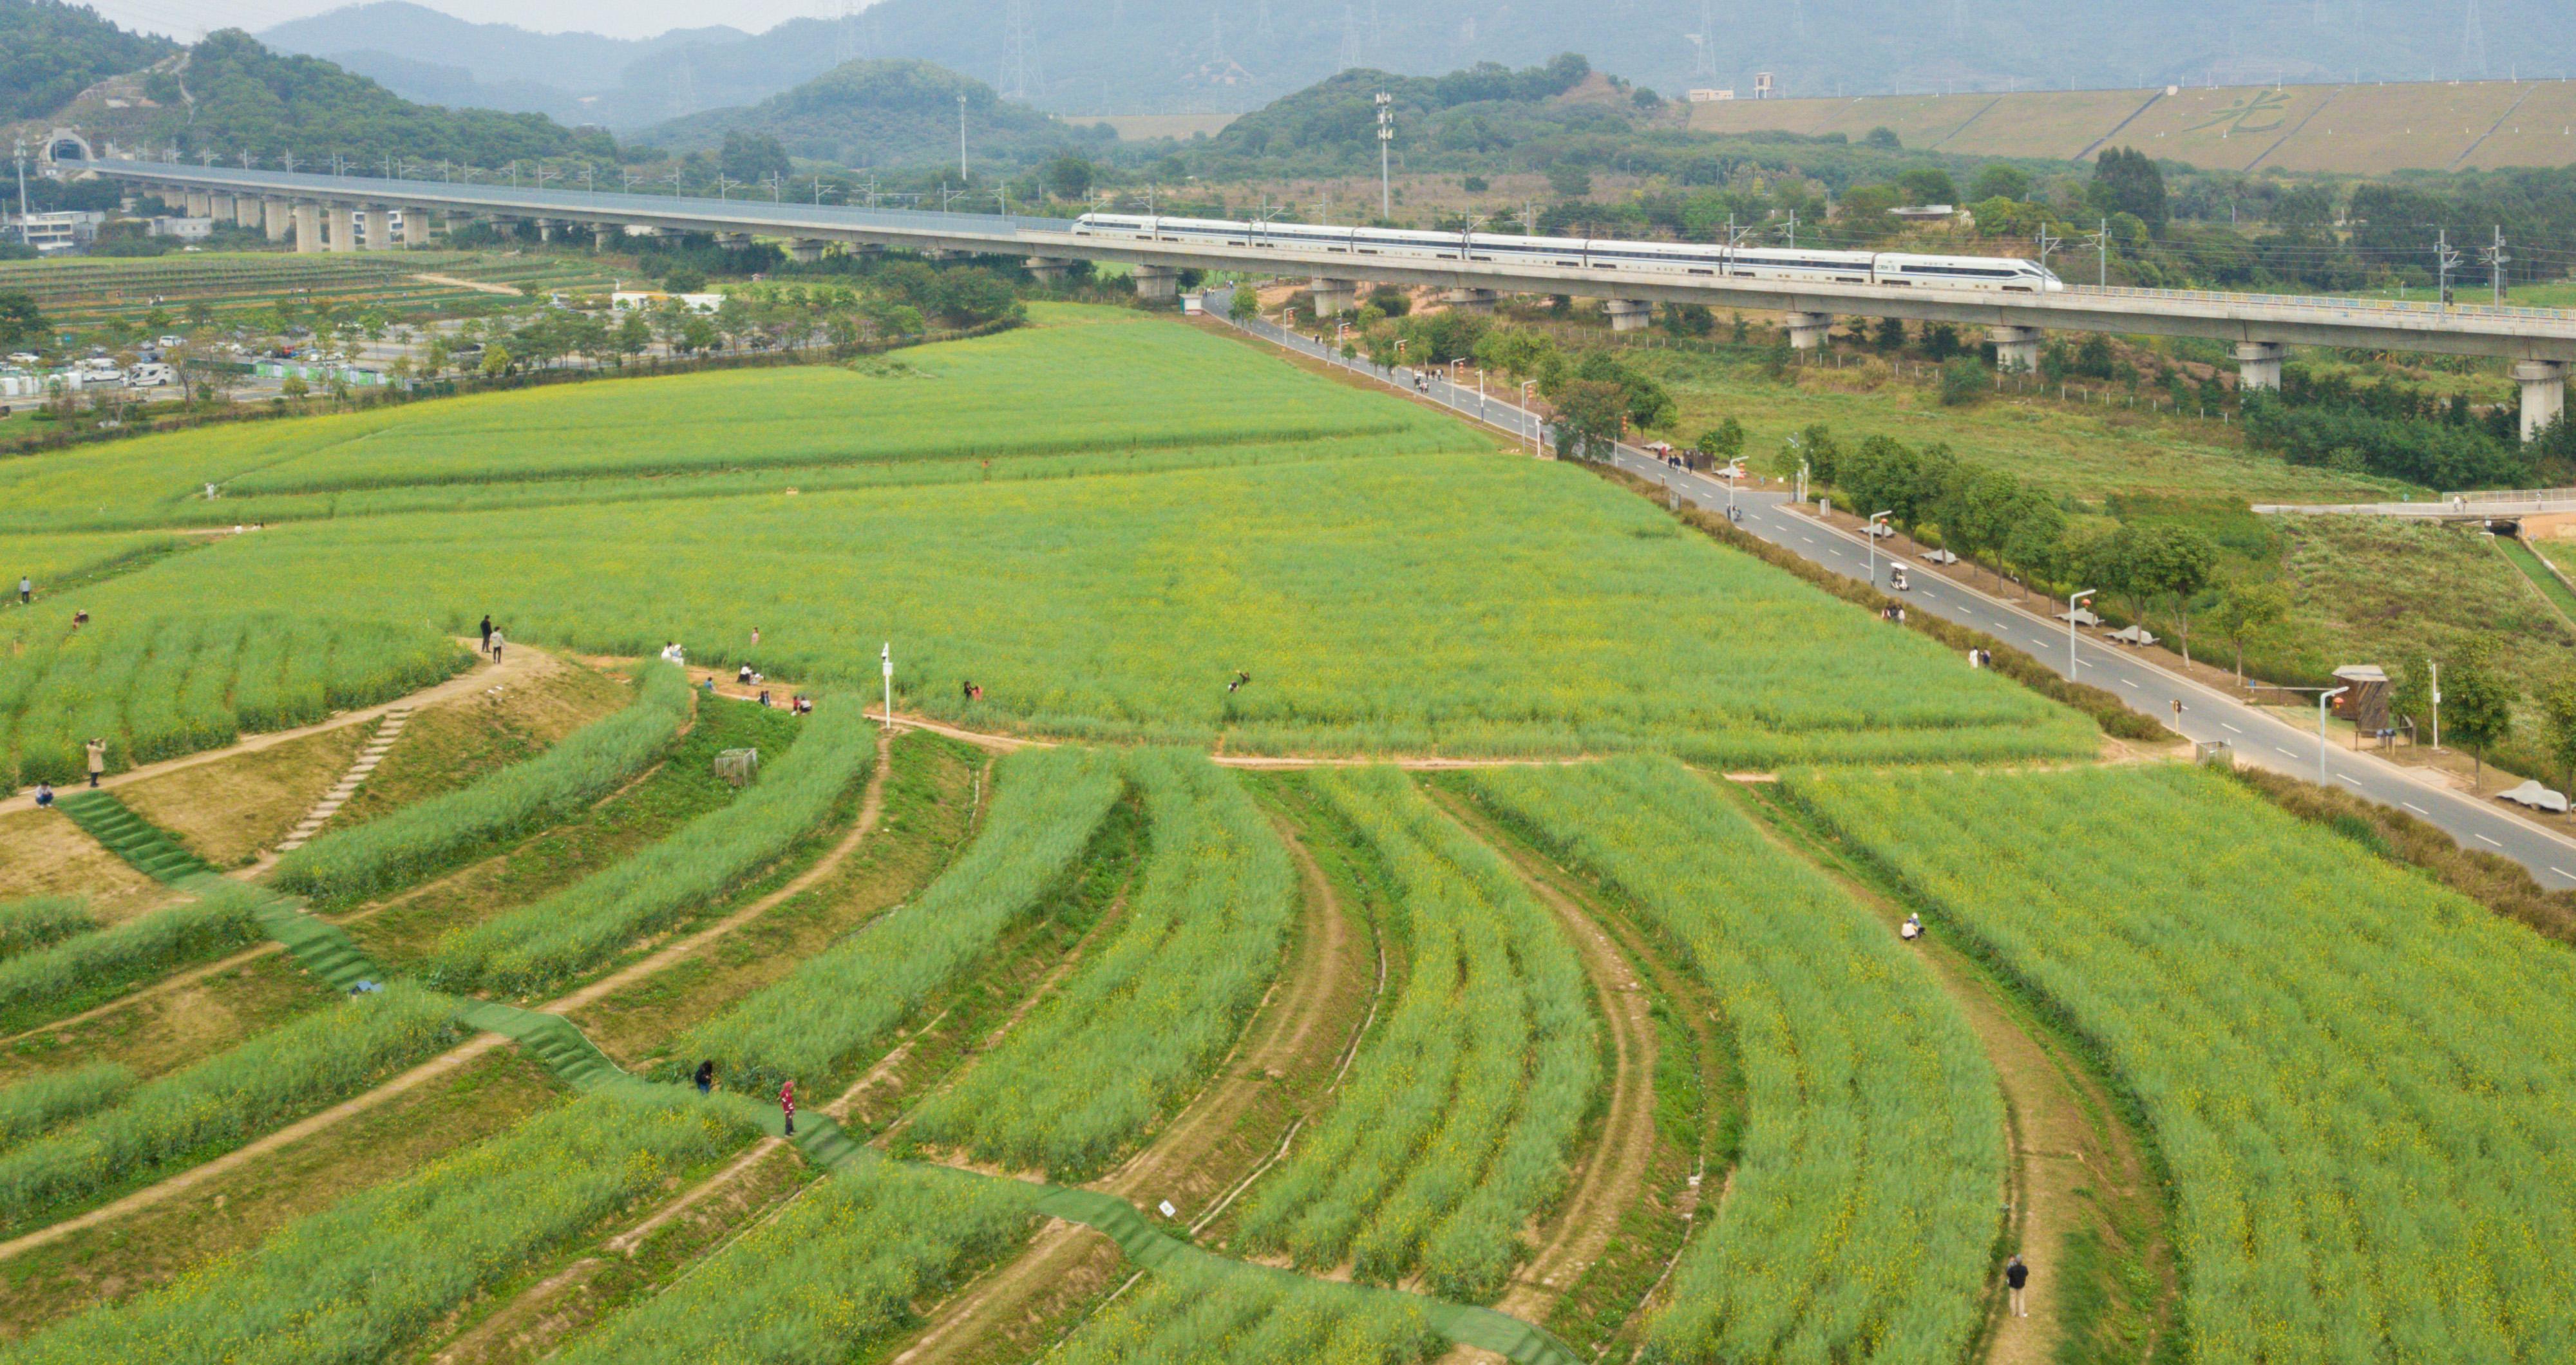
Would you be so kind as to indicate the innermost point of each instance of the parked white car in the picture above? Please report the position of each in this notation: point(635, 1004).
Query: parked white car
point(167, 342)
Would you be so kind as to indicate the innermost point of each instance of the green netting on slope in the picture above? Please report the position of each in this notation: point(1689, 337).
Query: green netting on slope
point(151, 850)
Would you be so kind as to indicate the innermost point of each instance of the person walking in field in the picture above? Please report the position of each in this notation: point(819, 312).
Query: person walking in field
point(706, 1076)
point(97, 759)
point(787, 1104)
point(487, 630)
point(2016, 1277)
point(26, 590)
point(493, 643)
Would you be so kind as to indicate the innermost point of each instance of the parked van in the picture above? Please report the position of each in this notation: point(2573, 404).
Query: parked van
point(152, 376)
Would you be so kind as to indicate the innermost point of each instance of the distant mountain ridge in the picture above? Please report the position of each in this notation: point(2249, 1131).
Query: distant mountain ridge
point(1077, 57)
point(881, 113)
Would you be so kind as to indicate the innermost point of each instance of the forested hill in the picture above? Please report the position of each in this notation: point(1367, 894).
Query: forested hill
point(51, 51)
point(232, 96)
point(891, 113)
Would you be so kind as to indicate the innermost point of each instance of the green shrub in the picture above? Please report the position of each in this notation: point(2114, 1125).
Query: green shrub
point(39, 1102)
point(33, 923)
point(402, 847)
point(350, 1285)
point(226, 1100)
point(1963, 381)
point(84, 969)
point(851, 996)
point(544, 945)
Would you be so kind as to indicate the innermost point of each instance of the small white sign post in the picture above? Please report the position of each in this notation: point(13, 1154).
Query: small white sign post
point(885, 662)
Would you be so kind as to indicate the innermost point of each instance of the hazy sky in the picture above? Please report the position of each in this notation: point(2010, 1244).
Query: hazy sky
point(186, 19)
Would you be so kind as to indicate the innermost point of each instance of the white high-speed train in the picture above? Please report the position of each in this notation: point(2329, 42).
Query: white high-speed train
point(1594, 253)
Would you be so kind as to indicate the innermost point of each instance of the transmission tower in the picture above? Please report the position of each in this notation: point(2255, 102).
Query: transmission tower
point(1350, 38)
point(2473, 41)
point(1261, 34)
point(1704, 42)
point(1020, 74)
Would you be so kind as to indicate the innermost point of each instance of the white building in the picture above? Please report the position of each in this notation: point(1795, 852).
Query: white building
point(184, 229)
point(629, 300)
point(1710, 96)
point(53, 233)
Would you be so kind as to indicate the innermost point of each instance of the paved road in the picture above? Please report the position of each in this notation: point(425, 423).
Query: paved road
point(2208, 714)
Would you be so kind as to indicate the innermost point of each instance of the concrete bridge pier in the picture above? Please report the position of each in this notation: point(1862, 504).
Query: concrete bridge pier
point(605, 235)
point(380, 228)
point(343, 227)
point(200, 204)
point(1157, 282)
point(249, 211)
point(1807, 330)
point(733, 241)
point(1629, 315)
point(806, 250)
point(1471, 300)
point(308, 226)
point(2544, 393)
point(219, 206)
point(2258, 366)
point(1047, 270)
point(2016, 348)
point(277, 218)
point(1334, 296)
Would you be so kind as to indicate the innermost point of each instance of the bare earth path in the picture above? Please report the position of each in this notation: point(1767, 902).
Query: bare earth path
point(517, 665)
point(871, 807)
point(2071, 1155)
point(1612, 1175)
point(1205, 1152)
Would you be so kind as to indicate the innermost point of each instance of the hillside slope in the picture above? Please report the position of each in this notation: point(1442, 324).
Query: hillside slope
point(50, 51)
point(882, 113)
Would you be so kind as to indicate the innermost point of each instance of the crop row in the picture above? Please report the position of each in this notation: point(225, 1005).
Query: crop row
point(836, 1274)
point(1860, 1212)
point(1195, 1311)
point(363, 861)
point(38, 921)
point(849, 998)
point(1137, 1025)
point(225, 1100)
point(2361, 1084)
point(30, 1106)
point(545, 944)
point(346, 1286)
point(1452, 1131)
point(83, 968)
point(157, 687)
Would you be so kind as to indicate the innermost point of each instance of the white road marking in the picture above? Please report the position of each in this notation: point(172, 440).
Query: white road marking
point(2126, 683)
point(2571, 876)
point(2419, 810)
point(2491, 841)
point(2279, 750)
point(2339, 777)
point(2223, 725)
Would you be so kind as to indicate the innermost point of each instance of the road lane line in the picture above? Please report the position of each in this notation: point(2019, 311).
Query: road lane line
point(2223, 725)
point(2491, 841)
point(2419, 810)
point(2279, 750)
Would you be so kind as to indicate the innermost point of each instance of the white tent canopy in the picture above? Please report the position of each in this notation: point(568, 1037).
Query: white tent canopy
point(2537, 797)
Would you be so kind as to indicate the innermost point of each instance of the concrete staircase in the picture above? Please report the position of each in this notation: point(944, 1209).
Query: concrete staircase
point(387, 731)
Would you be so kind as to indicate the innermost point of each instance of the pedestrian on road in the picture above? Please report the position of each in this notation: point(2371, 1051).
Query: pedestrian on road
point(487, 630)
point(787, 1104)
point(97, 759)
point(26, 590)
point(494, 644)
point(706, 1076)
point(2016, 1276)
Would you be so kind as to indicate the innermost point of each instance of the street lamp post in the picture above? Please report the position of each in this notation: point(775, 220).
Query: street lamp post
point(2435, 670)
point(1385, 140)
point(1531, 413)
point(2322, 699)
point(2073, 602)
point(885, 657)
point(1872, 528)
point(1734, 475)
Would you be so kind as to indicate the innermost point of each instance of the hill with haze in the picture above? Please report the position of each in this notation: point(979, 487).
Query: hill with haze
point(1078, 57)
point(882, 113)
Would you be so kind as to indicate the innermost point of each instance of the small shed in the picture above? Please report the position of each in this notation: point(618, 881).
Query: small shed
point(741, 767)
point(2365, 700)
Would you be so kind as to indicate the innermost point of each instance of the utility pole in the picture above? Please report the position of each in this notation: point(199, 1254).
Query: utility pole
point(2434, 670)
point(2495, 259)
point(961, 136)
point(885, 657)
point(2102, 244)
point(22, 188)
point(1385, 141)
point(2445, 260)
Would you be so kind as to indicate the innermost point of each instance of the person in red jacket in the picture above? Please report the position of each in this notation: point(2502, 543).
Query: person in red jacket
point(787, 1105)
